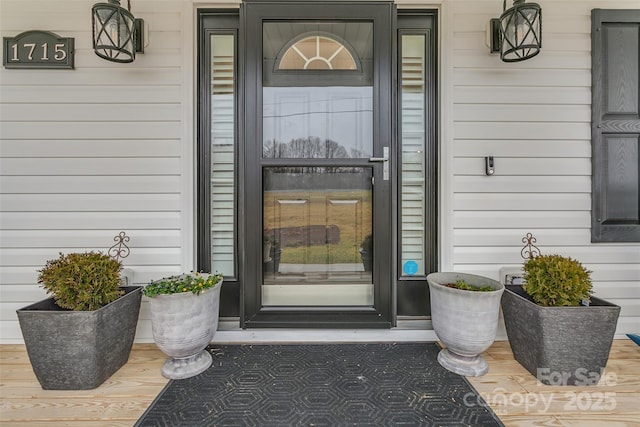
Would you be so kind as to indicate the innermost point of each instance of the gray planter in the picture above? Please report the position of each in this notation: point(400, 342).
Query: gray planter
point(465, 321)
point(79, 350)
point(183, 325)
point(560, 345)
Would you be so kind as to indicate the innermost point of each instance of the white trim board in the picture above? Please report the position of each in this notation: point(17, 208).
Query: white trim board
point(271, 336)
point(418, 330)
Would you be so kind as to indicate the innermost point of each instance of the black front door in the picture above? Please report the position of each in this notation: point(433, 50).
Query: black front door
point(317, 166)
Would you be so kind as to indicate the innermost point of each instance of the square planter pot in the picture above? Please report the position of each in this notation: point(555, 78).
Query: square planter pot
point(559, 345)
point(79, 350)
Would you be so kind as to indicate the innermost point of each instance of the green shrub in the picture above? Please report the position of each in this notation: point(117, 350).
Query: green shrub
point(555, 281)
point(82, 281)
point(461, 284)
point(182, 283)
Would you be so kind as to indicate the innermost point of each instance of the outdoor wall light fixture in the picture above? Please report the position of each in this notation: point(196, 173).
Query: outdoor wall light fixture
point(517, 35)
point(117, 35)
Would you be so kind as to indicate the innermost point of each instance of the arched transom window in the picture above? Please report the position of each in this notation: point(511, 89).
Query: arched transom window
point(317, 52)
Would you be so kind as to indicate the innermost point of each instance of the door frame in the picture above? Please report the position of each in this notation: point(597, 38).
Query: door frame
point(409, 294)
point(412, 292)
point(252, 313)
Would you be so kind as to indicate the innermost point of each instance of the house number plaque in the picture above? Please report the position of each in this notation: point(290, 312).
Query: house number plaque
point(38, 49)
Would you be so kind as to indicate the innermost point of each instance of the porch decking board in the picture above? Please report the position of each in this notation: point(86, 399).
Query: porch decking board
point(562, 405)
point(118, 402)
point(124, 397)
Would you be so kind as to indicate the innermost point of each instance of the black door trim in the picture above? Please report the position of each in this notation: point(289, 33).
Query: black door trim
point(413, 291)
point(253, 13)
point(215, 22)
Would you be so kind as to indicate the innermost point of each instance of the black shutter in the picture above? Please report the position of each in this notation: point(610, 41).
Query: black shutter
point(615, 127)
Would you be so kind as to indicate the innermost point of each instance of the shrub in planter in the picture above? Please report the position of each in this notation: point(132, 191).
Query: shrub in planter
point(556, 329)
point(82, 281)
point(84, 333)
point(556, 281)
point(184, 319)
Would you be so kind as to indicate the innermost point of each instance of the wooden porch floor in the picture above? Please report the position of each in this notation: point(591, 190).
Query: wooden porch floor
point(511, 391)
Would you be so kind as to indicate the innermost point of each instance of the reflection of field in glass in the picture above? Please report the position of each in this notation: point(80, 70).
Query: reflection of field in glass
point(349, 210)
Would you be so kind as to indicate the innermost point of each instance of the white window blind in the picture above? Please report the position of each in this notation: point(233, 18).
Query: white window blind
point(222, 154)
point(412, 142)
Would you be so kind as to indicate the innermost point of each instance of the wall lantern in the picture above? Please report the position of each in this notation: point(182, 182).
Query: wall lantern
point(117, 35)
point(517, 35)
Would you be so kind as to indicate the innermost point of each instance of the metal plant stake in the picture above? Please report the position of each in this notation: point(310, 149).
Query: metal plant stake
point(120, 250)
point(529, 251)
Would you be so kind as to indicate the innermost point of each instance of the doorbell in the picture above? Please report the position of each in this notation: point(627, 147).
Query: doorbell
point(489, 165)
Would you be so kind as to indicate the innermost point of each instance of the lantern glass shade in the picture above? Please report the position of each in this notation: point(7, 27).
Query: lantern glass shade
point(521, 27)
point(113, 32)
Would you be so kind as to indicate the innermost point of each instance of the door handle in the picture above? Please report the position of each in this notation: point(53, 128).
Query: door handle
point(385, 161)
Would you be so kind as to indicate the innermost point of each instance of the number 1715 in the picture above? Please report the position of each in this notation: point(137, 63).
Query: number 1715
point(59, 53)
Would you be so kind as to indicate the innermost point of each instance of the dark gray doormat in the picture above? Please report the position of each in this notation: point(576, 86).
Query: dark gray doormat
point(321, 385)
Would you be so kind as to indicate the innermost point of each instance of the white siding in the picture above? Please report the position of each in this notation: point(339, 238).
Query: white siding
point(106, 147)
point(534, 118)
point(89, 152)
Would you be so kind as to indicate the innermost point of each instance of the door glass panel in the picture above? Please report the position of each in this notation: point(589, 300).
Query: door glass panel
point(413, 164)
point(317, 52)
point(318, 122)
point(317, 90)
point(222, 92)
point(317, 105)
point(317, 229)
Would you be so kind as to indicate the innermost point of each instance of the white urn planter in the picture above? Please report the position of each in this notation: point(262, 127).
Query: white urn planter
point(183, 325)
point(465, 321)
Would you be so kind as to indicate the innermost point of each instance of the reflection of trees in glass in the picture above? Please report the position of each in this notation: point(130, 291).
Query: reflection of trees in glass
point(305, 148)
point(309, 148)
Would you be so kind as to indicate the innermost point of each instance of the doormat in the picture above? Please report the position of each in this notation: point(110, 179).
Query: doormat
point(329, 385)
